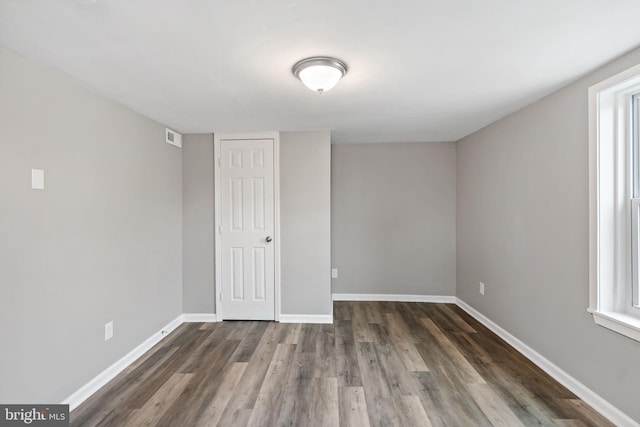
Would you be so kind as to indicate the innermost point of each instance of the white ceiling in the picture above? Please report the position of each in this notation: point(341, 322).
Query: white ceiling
point(419, 70)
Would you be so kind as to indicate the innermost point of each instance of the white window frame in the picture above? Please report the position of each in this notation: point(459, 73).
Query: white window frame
point(635, 204)
point(611, 189)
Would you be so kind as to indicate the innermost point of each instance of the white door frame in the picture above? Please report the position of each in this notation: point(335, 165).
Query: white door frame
point(217, 138)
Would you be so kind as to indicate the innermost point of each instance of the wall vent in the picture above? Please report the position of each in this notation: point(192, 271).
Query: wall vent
point(173, 138)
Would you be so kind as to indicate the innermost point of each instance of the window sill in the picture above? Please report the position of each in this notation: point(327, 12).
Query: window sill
point(621, 323)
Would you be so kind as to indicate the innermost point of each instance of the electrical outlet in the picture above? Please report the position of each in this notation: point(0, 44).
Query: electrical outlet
point(108, 331)
point(481, 288)
point(334, 273)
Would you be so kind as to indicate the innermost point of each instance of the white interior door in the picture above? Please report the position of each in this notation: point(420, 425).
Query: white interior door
point(247, 229)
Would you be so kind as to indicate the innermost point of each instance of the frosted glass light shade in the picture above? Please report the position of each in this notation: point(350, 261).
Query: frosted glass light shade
point(320, 74)
point(320, 78)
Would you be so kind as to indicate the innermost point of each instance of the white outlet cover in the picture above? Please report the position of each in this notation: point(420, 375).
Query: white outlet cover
point(481, 288)
point(37, 179)
point(334, 273)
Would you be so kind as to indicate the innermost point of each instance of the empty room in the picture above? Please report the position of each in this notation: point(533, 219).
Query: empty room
point(319, 213)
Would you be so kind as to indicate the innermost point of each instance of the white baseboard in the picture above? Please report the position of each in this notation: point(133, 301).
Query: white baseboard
point(306, 318)
point(84, 392)
point(609, 411)
point(199, 317)
point(445, 299)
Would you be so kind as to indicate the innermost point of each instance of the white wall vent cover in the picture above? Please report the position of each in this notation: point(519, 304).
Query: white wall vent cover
point(173, 138)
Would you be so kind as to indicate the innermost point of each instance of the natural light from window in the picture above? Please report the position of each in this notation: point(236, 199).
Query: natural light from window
point(614, 199)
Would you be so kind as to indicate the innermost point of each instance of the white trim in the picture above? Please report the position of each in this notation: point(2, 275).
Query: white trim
point(216, 230)
point(444, 299)
point(84, 392)
point(199, 318)
point(276, 225)
point(594, 201)
point(610, 203)
point(306, 318)
point(619, 322)
point(605, 408)
point(276, 194)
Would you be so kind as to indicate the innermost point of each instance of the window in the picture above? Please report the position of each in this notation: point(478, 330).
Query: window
point(635, 200)
point(614, 199)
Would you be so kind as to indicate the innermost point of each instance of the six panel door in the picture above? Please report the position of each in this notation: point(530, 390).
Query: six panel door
point(247, 229)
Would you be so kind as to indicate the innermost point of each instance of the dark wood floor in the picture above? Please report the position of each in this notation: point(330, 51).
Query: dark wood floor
point(379, 364)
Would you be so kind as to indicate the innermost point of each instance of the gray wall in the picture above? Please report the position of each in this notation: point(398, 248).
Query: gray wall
point(393, 218)
point(101, 242)
point(305, 187)
point(197, 226)
point(522, 224)
point(305, 217)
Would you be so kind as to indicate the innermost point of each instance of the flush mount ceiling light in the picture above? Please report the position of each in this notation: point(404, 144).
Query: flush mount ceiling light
point(319, 73)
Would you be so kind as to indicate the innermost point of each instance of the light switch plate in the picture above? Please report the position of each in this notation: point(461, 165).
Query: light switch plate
point(108, 331)
point(37, 179)
point(334, 273)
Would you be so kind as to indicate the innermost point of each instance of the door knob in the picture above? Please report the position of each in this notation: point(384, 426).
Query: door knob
point(268, 239)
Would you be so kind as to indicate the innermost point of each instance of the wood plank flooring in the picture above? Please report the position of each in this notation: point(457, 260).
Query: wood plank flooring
point(379, 364)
